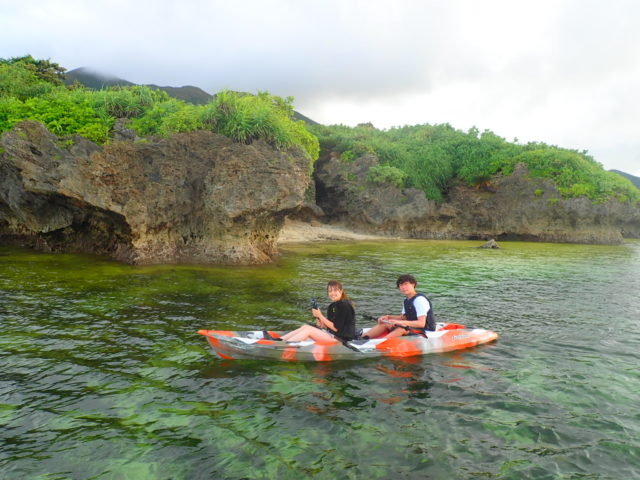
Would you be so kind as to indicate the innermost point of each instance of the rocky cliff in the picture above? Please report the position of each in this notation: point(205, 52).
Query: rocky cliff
point(202, 198)
point(516, 207)
point(193, 197)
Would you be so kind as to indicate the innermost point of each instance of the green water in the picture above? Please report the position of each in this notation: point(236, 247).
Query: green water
point(103, 376)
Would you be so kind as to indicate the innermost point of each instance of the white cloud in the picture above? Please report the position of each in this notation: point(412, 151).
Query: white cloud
point(563, 72)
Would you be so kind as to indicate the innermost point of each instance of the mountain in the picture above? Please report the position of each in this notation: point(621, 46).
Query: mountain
point(97, 81)
point(187, 93)
point(635, 180)
point(307, 120)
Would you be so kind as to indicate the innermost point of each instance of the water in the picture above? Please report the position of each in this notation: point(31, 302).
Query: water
point(103, 376)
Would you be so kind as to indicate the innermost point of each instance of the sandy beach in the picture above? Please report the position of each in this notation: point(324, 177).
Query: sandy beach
point(295, 231)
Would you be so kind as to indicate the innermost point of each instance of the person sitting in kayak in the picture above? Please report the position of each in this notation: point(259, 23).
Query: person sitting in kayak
point(340, 320)
point(417, 313)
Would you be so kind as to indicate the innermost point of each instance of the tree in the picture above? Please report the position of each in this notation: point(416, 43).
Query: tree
point(43, 69)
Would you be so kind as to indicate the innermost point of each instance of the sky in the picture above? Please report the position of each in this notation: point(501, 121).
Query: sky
point(562, 72)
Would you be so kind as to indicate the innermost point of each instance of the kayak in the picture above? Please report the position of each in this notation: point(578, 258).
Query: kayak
point(268, 345)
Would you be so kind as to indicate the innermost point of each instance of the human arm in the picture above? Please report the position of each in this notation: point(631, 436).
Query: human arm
point(390, 318)
point(322, 321)
point(403, 322)
point(420, 306)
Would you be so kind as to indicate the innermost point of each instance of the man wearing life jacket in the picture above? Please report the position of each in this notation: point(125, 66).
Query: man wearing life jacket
point(417, 313)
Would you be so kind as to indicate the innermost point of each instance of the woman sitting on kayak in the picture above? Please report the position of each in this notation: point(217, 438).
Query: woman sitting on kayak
point(340, 320)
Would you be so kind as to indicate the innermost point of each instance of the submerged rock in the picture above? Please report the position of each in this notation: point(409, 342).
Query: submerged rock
point(192, 197)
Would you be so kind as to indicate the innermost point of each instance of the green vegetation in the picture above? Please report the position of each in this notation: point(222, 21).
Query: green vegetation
point(433, 157)
point(34, 90)
point(387, 174)
point(428, 157)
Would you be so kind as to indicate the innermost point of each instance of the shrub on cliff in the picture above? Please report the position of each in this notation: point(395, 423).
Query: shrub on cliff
point(62, 111)
point(30, 90)
point(431, 156)
point(25, 77)
point(241, 117)
point(125, 102)
point(382, 174)
point(164, 117)
point(434, 156)
point(20, 83)
point(248, 117)
point(574, 174)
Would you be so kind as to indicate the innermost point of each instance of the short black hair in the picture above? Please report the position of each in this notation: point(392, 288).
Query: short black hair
point(406, 278)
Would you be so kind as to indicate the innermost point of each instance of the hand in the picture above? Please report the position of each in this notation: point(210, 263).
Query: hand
point(316, 312)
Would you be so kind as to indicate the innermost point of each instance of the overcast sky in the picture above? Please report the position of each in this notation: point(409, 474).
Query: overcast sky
point(563, 72)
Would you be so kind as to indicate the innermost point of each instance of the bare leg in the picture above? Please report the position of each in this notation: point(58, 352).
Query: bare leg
point(290, 334)
point(377, 330)
point(398, 332)
point(308, 332)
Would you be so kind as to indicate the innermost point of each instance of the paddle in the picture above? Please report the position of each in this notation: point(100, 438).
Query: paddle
point(408, 329)
point(375, 319)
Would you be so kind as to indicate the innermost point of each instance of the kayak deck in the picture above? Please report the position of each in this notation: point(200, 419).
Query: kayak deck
point(253, 344)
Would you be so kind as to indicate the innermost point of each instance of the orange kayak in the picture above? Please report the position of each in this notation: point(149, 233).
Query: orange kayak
point(266, 345)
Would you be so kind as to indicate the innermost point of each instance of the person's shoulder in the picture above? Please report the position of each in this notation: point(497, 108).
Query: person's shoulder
point(345, 303)
point(421, 298)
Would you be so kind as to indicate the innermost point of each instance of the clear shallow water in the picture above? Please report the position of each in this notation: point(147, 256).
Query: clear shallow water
point(102, 375)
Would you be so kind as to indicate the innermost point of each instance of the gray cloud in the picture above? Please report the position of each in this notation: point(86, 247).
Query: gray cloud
point(562, 72)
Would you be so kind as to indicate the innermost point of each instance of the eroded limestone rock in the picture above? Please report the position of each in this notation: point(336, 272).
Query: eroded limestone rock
point(192, 197)
point(516, 207)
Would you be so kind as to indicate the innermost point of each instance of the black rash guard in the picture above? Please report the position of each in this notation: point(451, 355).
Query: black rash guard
point(343, 317)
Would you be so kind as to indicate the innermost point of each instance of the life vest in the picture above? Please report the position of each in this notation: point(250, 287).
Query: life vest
point(411, 314)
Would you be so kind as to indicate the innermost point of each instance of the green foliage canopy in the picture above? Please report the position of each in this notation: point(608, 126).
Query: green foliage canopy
point(33, 89)
point(433, 157)
point(45, 70)
point(382, 174)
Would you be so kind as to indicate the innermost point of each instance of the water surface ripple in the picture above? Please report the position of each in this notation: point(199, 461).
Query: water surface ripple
point(104, 377)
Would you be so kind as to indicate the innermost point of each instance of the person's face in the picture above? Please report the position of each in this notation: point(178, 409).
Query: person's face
point(407, 288)
point(334, 293)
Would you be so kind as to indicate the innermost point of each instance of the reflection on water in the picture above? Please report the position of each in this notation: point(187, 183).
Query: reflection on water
point(103, 375)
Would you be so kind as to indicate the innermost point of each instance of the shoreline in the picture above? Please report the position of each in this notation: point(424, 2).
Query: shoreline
point(296, 231)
